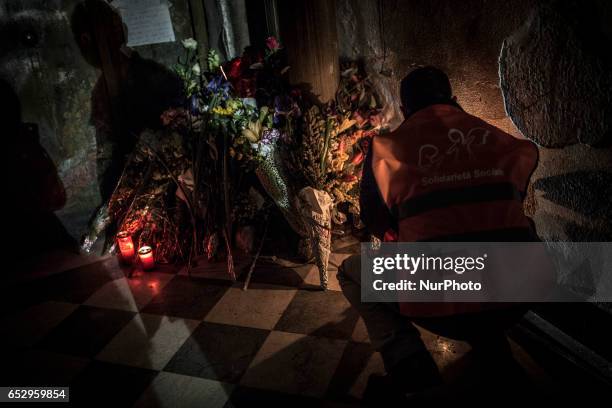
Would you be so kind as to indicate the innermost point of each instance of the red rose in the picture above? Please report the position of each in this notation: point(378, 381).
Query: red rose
point(272, 43)
point(235, 68)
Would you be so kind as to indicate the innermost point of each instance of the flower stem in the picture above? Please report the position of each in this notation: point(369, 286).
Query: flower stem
point(328, 126)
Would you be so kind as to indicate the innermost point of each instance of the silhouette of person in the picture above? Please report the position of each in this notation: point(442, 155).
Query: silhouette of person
point(130, 94)
point(35, 190)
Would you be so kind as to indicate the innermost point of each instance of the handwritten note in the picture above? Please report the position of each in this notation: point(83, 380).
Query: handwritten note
point(147, 21)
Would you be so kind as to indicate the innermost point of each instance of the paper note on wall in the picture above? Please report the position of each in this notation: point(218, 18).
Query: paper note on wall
point(147, 21)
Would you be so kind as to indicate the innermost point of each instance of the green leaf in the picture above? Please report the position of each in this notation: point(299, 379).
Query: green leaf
point(372, 102)
point(214, 61)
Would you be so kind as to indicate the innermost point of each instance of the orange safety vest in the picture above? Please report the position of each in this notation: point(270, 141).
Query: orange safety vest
point(450, 176)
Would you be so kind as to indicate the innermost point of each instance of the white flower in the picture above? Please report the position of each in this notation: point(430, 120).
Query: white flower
point(251, 102)
point(196, 68)
point(265, 149)
point(190, 44)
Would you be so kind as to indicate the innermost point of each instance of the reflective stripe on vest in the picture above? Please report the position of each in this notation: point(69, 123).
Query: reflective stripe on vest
point(456, 196)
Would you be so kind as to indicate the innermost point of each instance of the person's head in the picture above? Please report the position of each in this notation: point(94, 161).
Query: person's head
point(424, 87)
point(92, 18)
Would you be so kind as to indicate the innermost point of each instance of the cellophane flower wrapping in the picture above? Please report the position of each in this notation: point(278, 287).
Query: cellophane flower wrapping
point(271, 175)
point(316, 210)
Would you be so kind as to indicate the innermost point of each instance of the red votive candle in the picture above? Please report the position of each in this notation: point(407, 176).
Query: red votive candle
point(147, 261)
point(126, 246)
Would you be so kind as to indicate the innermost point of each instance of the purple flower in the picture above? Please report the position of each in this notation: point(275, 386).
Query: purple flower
point(218, 86)
point(270, 136)
point(285, 106)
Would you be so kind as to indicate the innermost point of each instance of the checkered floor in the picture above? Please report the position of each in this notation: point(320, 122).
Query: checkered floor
point(163, 339)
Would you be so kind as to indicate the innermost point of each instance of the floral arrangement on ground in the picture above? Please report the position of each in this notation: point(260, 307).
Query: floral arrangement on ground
point(244, 142)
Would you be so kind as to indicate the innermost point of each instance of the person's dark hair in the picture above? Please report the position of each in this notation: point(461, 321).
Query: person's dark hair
point(424, 87)
point(85, 16)
point(88, 11)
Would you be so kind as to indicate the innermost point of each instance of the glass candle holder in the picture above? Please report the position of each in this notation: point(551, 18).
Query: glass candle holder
point(145, 254)
point(126, 246)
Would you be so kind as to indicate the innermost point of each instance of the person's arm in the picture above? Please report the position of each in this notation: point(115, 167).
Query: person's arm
point(374, 212)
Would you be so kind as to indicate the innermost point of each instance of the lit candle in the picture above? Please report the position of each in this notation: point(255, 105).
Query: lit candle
point(126, 246)
point(145, 254)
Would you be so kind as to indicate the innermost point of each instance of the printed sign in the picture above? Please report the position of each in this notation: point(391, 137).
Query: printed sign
point(147, 21)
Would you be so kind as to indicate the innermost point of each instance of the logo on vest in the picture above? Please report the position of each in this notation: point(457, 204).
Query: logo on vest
point(459, 148)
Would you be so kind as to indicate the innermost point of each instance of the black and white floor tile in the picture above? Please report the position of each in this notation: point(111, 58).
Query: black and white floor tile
point(162, 339)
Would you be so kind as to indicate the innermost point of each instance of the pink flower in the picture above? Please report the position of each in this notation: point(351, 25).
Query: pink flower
point(357, 159)
point(272, 43)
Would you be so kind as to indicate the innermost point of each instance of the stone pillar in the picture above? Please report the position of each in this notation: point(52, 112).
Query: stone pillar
point(308, 30)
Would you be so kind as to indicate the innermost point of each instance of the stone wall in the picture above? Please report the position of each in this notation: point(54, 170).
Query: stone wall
point(556, 75)
point(461, 37)
point(556, 86)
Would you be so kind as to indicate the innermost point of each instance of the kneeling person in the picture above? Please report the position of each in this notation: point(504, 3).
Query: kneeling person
point(442, 175)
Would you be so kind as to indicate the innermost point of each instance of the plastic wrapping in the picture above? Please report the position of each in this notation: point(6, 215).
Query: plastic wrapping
point(316, 211)
point(272, 176)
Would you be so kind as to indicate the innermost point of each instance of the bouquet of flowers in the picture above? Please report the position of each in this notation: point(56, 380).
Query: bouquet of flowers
point(336, 138)
point(143, 203)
